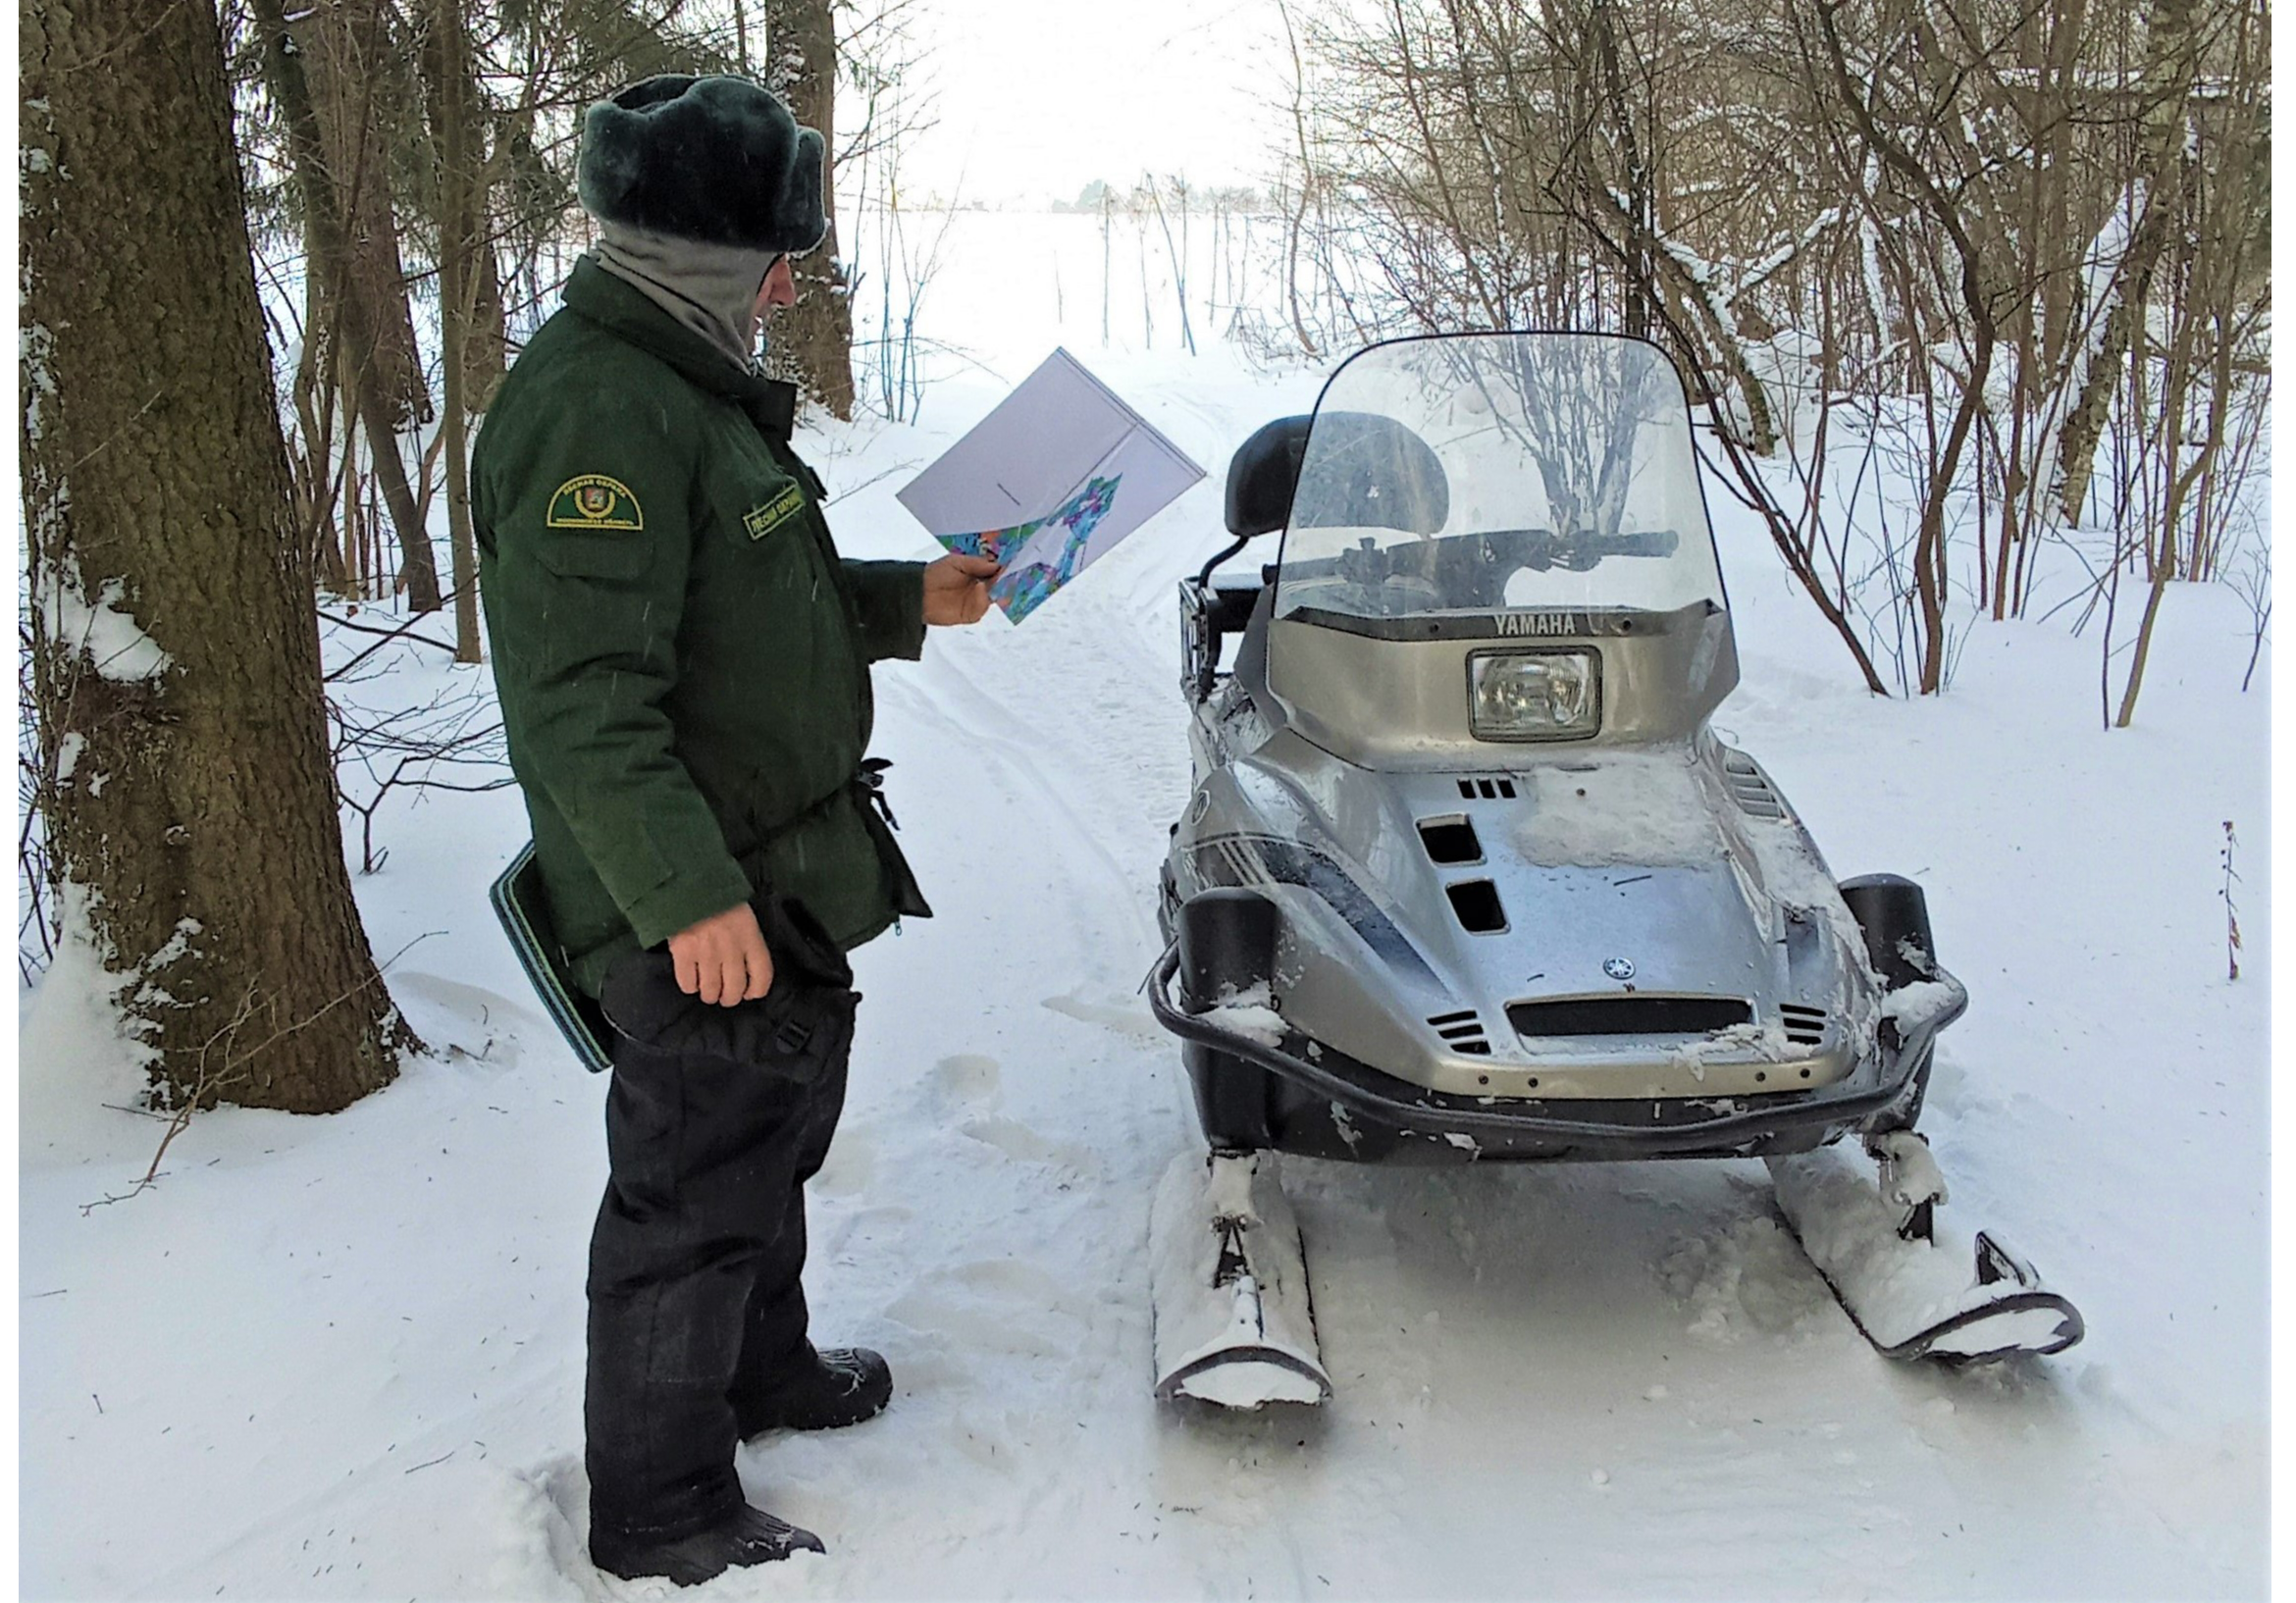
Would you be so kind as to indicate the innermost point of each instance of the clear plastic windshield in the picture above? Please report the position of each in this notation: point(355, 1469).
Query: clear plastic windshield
point(1497, 472)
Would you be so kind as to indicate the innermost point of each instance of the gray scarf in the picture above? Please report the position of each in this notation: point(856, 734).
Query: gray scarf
point(710, 288)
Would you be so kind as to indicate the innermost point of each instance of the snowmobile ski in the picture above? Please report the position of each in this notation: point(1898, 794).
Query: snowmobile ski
point(1227, 1284)
point(1914, 1285)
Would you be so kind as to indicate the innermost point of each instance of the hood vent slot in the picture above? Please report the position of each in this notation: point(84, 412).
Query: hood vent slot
point(1462, 1033)
point(1752, 790)
point(1629, 1016)
point(1450, 841)
point(1477, 902)
point(1502, 789)
point(1804, 1026)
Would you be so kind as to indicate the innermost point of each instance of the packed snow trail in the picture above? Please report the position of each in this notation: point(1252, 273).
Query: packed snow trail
point(342, 1357)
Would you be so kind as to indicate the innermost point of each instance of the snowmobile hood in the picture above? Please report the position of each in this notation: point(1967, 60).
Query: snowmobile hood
point(1613, 922)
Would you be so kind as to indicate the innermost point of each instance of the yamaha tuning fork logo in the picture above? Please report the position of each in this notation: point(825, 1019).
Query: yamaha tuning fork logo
point(1621, 969)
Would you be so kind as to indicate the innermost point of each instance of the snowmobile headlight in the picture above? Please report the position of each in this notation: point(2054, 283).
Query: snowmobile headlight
point(1535, 695)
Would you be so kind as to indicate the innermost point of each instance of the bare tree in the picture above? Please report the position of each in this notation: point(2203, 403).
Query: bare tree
point(1947, 245)
point(1176, 250)
point(357, 320)
point(2163, 91)
point(460, 184)
point(359, 91)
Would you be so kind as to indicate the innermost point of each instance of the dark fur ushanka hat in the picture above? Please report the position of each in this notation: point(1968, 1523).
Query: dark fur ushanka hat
point(715, 159)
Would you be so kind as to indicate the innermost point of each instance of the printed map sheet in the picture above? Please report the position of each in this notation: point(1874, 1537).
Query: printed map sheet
point(1048, 483)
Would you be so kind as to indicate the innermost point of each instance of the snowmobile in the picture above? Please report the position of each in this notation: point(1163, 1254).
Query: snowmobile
point(1467, 875)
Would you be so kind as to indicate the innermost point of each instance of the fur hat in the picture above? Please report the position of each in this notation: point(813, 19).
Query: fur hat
point(715, 159)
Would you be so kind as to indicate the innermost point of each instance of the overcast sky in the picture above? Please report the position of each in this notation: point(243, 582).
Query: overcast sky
point(1039, 97)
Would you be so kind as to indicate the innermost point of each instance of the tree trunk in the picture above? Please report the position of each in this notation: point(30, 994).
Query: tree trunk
point(356, 323)
point(1640, 206)
point(354, 78)
point(1307, 175)
point(457, 245)
point(812, 343)
point(313, 472)
point(454, 106)
point(175, 651)
point(486, 336)
point(2163, 90)
point(446, 67)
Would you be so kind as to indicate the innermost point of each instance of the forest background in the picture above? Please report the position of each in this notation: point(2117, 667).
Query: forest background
point(1974, 304)
point(1962, 291)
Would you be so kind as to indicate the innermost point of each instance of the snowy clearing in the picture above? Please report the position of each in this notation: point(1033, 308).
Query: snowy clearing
point(342, 1357)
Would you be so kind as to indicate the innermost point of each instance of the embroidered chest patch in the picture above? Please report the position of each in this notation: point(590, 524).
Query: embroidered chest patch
point(592, 501)
point(761, 521)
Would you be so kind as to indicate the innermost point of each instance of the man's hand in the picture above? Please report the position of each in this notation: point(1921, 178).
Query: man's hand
point(956, 589)
point(723, 960)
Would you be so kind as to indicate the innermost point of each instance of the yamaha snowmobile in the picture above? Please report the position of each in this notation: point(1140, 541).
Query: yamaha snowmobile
point(1466, 874)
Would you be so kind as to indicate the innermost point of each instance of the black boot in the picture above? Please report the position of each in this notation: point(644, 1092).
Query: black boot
point(819, 1390)
point(751, 1536)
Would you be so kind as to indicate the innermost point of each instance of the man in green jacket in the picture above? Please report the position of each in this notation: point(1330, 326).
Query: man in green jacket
point(683, 661)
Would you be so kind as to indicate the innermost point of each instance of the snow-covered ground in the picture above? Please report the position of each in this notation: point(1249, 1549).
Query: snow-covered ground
point(342, 1357)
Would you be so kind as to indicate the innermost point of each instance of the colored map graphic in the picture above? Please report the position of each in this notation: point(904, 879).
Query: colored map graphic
point(1038, 560)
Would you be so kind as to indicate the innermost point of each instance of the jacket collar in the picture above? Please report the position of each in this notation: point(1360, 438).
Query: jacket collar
point(622, 310)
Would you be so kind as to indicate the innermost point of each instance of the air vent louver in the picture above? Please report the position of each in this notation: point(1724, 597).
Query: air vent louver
point(1462, 1033)
point(1502, 789)
point(1804, 1026)
point(1752, 790)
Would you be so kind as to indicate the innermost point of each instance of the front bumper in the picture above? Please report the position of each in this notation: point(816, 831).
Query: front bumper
point(1329, 1103)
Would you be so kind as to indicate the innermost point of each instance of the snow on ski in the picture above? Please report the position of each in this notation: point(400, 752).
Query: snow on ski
point(1954, 1297)
point(1228, 1286)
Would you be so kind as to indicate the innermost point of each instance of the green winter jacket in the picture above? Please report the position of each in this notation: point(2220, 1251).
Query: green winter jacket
point(682, 657)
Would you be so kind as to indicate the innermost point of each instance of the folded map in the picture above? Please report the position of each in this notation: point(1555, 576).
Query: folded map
point(1048, 483)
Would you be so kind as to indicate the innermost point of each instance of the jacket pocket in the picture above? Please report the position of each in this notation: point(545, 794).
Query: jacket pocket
point(592, 555)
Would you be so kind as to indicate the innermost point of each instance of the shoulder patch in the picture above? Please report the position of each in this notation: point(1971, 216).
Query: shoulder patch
point(592, 501)
point(761, 521)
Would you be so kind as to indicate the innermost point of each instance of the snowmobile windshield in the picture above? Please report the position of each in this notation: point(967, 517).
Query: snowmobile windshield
point(1490, 473)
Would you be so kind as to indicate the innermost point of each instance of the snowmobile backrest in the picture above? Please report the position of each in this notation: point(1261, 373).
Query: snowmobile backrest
point(1261, 476)
point(1372, 473)
point(1366, 471)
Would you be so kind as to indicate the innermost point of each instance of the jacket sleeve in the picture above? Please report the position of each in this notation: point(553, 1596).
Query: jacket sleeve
point(890, 597)
point(592, 530)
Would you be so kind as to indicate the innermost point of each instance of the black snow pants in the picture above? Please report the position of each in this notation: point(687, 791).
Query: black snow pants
point(715, 1118)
